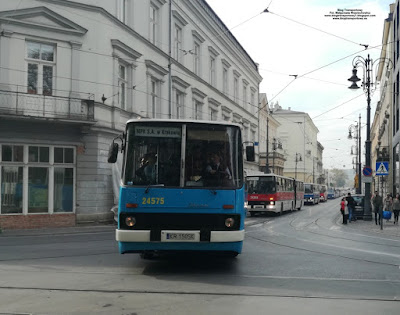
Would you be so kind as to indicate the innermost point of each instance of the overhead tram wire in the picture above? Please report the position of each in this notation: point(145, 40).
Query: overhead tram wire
point(317, 29)
point(327, 65)
point(329, 110)
point(260, 108)
point(315, 79)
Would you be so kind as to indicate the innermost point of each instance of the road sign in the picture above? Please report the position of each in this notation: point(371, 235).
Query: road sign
point(367, 171)
point(367, 179)
point(382, 168)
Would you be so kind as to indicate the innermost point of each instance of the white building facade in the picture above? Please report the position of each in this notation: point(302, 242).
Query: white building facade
point(302, 151)
point(72, 74)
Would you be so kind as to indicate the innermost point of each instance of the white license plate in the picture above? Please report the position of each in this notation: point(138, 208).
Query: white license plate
point(258, 206)
point(180, 236)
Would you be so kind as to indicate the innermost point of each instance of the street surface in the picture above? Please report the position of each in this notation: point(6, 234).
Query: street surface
point(304, 262)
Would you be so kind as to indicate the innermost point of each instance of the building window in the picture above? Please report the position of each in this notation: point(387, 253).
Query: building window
point(212, 70)
point(253, 136)
point(38, 154)
point(235, 89)
point(197, 109)
point(244, 95)
point(213, 114)
point(225, 80)
point(63, 155)
point(246, 133)
point(154, 97)
point(252, 101)
point(38, 190)
point(179, 97)
point(122, 10)
point(49, 181)
point(12, 153)
point(122, 84)
point(63, 189)
point(41, 65)
point(11, 189)
point(178, 43)
point(196, 58)
point(153, 23)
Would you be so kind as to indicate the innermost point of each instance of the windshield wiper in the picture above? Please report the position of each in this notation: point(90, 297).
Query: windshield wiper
point(152, 185)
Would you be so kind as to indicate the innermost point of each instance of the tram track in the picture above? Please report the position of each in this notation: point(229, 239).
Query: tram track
point(306, 228)
point(199, 293)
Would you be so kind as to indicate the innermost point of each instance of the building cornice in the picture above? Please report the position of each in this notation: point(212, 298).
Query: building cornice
point(62, 24)
point(125, 49)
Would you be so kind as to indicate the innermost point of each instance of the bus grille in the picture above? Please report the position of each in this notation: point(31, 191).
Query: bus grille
point(180, 221)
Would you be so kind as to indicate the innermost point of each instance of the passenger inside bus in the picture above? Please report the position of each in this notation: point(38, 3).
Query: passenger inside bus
point(216, 172)
point(147, 170)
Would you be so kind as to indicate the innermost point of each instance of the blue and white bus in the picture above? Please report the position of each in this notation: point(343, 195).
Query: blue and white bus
point(311, 193)
point(173, 195)
point(331, 193)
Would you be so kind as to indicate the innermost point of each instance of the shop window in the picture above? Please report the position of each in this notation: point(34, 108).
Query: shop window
point(63, 155)
point(38, 189)
point(41, 162)
point(11, 189)
point(63, 189)
point(12, 153)
point(39, 154)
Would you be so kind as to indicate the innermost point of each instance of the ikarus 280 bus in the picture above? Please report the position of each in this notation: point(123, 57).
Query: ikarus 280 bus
point(182, 186)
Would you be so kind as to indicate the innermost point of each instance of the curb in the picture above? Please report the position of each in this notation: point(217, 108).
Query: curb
point(60, 231)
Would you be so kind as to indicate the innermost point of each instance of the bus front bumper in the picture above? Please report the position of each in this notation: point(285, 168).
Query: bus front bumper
point(166, 236)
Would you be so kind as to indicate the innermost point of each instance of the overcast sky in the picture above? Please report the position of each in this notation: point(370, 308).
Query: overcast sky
point(293, 39)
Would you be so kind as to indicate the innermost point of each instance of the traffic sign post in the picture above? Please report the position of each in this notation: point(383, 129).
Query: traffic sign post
point(382, 168)
point(367, 171)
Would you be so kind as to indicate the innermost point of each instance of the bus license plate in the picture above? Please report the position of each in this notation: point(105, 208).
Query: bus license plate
point(180, 236)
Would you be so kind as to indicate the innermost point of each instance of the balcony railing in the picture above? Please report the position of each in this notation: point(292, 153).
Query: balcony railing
point(45, 106)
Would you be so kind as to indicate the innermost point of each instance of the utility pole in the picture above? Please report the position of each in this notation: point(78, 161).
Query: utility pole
point(267, 150)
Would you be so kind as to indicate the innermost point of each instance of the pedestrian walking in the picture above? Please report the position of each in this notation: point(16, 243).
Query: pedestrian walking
point(396, 209)
point(388, 204)
point(343, 210)
point(351, 204)
point(378, 205)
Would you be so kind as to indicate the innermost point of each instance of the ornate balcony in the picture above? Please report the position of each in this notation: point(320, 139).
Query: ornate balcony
point(18, 105)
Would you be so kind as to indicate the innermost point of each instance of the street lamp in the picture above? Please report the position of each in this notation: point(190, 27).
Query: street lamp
point(276, 144)
point(267, 149)
point(355, 133)
point(367, 66)
point(313, 169)
point(297, 159)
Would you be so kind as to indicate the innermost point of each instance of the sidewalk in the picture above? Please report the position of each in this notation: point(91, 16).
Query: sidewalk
point(389, 229)
point(98, 228)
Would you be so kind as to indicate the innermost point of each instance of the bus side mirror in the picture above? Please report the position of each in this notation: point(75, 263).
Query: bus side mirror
point(250, 155)
point(113, 153)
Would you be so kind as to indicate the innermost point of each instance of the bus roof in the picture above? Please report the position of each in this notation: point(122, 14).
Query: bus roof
point(261, 174)
point(182, 121)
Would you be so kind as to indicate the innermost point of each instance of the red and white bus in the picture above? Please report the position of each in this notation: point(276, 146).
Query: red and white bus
point(273, 193)
point(323, 193)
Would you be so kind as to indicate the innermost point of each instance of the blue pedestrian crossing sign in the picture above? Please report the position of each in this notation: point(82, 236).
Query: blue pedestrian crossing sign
point(382, 168)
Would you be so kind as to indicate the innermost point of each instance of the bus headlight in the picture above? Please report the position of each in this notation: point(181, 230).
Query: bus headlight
point(130, 221)
point(229, 222)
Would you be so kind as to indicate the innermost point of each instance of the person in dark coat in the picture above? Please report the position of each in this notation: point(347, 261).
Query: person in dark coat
point(351, 205)
point(377, 202)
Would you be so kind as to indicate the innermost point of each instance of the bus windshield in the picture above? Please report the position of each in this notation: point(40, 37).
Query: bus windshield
point(183, 155)
point(261, 185)
point(308, 188)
